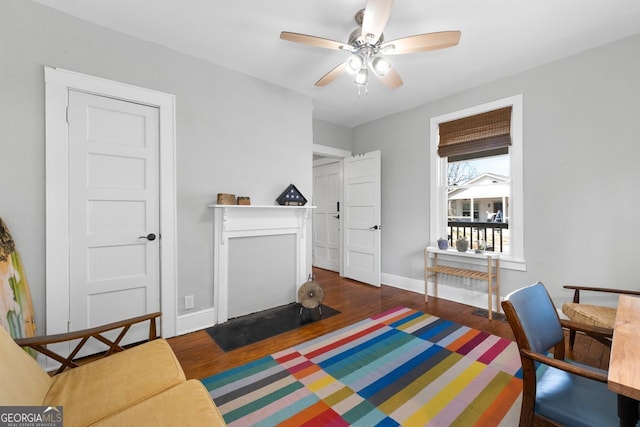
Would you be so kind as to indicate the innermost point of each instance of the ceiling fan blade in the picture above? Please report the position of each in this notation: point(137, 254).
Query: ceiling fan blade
point(312, 40)
point(421, 43)
point(332, 75)
point(391, 79)
point(376, 15)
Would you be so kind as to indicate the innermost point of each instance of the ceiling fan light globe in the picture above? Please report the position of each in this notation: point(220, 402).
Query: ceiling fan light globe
point(381, 66)
point(354, 63)
point(362, 77)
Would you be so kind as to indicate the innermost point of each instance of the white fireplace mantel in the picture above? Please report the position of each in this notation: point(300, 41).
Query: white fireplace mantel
point(237, 221)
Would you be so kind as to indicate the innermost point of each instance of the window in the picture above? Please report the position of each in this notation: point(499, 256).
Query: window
point(476, 177)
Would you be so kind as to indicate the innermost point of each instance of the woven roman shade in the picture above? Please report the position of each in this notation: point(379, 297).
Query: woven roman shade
point(481, 132)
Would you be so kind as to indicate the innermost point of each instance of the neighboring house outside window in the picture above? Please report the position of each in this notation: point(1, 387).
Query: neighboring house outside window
point(476, 178)
point(475, 207)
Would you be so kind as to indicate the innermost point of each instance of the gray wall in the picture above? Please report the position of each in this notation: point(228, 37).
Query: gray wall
point(235, 134)
point(332, 135)
point(581, 157)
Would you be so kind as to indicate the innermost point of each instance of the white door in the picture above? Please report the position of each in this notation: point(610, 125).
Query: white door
point(362, 218)
point(113, 211)
point(326, 216)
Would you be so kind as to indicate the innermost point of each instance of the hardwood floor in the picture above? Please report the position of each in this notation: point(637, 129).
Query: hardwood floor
point(200, 356)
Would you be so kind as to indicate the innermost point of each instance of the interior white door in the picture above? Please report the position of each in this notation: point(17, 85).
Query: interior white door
point(114, 237)
point(362, 218)
point(326, 216)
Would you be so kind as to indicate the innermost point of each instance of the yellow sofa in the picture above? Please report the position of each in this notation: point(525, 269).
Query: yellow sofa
point(142, 386)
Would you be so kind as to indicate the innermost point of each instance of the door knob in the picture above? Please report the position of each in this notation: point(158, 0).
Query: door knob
point(149, 236)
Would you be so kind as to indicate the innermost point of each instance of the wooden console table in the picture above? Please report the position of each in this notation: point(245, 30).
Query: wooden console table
point(624, 369)
point(491, 275)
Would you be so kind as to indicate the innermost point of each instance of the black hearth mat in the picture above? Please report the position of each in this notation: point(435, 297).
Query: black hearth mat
point(245, 330)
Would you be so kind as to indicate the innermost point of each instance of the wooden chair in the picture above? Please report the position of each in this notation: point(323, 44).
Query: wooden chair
point(556, 392)
point(40, 343)
point(590, 314)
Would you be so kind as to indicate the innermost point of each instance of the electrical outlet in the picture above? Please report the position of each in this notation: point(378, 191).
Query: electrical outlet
point(188, 302)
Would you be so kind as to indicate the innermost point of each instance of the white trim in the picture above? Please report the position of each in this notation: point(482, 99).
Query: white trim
point(334, 155)
point(237, 221)
point(57, 84)
point(326, 151)
point(199, 320)
point(326, 161)
point(451, 293)
point(437, 174)
point(404, 283)
point(465, 296)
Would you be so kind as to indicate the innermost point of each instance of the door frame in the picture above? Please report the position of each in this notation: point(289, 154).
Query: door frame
point(332, 154)
point(322, 162)
point(58, 82)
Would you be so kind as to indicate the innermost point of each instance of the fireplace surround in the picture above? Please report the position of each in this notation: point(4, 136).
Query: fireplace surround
point(251, 221)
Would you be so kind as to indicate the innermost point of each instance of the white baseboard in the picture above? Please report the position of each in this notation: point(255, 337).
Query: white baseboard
point(203, 319)
point(192, 322)
point(451, 293)
point(400, 282)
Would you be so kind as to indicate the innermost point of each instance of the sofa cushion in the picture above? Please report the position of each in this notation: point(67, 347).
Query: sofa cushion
point(93, 391)
point(24, 382)
point(187, 404)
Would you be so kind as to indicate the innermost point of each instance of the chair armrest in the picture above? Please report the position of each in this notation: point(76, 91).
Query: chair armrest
point(565, 366)
point(578, 288)
point(587, 329)
point(39, 343)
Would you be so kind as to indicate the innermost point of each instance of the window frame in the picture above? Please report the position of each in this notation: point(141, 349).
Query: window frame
point(438, 178)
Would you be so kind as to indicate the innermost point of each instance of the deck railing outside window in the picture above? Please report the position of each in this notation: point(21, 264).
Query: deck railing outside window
point(495, 234)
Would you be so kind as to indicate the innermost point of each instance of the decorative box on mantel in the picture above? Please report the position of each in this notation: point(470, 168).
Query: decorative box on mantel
point(242, 221)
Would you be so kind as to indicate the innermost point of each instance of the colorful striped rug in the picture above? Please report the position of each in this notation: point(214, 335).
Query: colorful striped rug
point(402, 367)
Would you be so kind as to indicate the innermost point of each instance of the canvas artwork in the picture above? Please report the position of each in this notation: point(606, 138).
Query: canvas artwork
point(16, 306)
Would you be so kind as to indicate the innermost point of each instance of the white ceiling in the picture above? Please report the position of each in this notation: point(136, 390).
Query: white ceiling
point(499, 38)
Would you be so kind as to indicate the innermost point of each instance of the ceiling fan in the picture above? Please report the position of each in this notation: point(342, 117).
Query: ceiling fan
point(368, 48)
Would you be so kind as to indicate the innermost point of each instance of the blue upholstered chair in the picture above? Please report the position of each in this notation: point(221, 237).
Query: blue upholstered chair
point(555, 391)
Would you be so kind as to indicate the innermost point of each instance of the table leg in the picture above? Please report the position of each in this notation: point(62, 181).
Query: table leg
point(435, 276)
point(490, 289)
point(497, 285)
point(627, 411)
point(426, 275)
